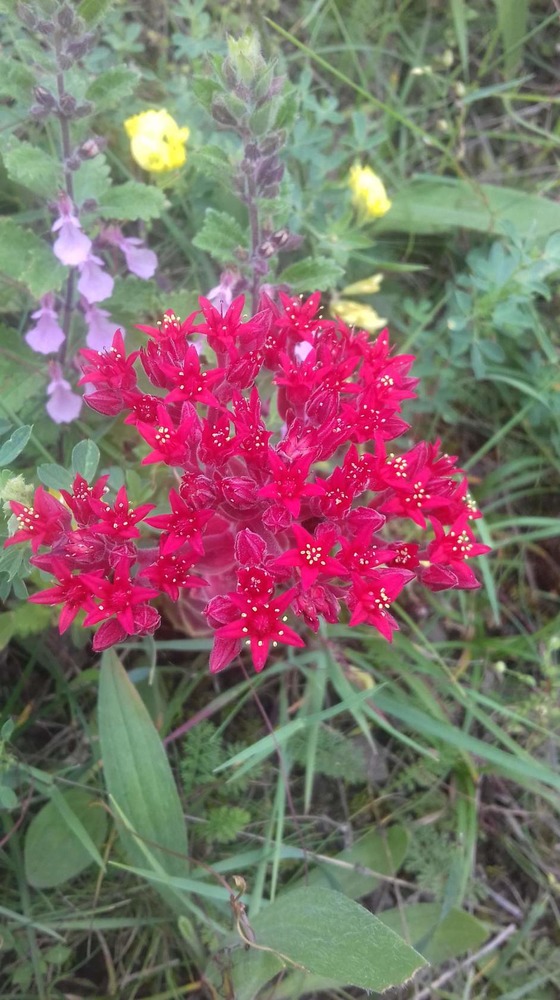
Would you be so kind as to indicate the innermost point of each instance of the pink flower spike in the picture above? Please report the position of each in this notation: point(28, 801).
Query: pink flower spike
point(63, 405)
point(72, 246)
point(47, 335)
point(101, 328)
point(94, 283)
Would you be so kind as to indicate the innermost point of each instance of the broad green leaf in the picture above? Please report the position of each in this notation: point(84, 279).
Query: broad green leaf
point(436, 940)
point(27, 259)
point(85, 459)
point(62, 840)
point(92, 179)
point(32, 167)
point(11, 561)
point(436, 205)
point(15, 444)
point(315, 273)
point(212, 162)
point(382, 852)
point(54, 476)
point(133, 297)
point(137, 773)
point(332, 936)
point(132, 200)
point(16, 80)
point(112, 87)
point(221, 235)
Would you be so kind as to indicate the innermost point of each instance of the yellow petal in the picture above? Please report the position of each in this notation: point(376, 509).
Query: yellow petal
point(357, 314)
point(369, 286)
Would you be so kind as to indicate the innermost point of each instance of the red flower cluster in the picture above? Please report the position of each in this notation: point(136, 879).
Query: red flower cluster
point(288, 504)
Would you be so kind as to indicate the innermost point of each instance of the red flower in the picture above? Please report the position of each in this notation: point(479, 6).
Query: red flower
point(170, 444)
point(71, 591)
point(80, 499)
point(260, 625)
point(311, 556)
point(120, 520)
point(370, 599)
point(183, 524)
point(447, 555)
point(119, 597)
point(295, 492)
point(289, 486)
point(170, 572)
point(41, 524)
point(110, 368)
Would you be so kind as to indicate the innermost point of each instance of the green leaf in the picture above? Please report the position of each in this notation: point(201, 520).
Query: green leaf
point(436, 205)
point(16, 80)
point(93, 10)
point(12, 562)
point(32, 167)
point(26, 619)
point(320, 273)
point(132, 200)
point(92, 179)
point(512, 21)
point(212, 162)
point(27, 259)
point(54, 476)
point(221, 235)
point(85, 459)
point(112, 87)
point(15, 444)
point(382, 852)
point(332, 936)
point(63, 839)
point(438, 941)
point(133, 297)
point(137, 773)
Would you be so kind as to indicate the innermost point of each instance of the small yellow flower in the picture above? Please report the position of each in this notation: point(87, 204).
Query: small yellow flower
point(368, 192)
point(157, 143)
point(368, 286)
point(357, 314)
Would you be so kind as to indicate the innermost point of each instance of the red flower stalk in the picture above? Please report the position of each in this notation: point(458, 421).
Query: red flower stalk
point(290, 508)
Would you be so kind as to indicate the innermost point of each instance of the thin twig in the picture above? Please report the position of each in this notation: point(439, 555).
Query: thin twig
point(428, 992)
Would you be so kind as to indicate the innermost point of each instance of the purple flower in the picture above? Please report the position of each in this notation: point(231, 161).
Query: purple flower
point(72, 246)
point(101, 327)
point(221, 296)
point(139, 260)
point(63, 405)
point(46, 336)
point(94, 283)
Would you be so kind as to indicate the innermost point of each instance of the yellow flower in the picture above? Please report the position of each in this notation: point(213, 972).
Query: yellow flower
point(368, 192)
point(357, 314)
point(368, 286)
point(157, 143)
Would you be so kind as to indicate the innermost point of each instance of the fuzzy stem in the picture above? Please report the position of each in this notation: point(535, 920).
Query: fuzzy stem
point(254, 223)
point(69, 187)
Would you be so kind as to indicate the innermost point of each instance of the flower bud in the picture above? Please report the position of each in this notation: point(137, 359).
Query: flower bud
point(65, 17)
point(245, 58)
point(67, 105)
point(44, 97)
